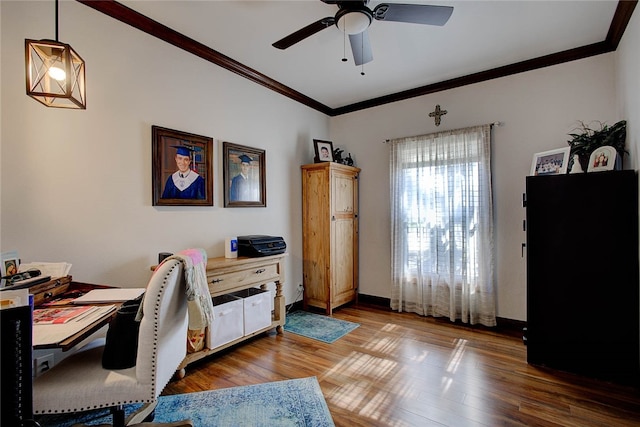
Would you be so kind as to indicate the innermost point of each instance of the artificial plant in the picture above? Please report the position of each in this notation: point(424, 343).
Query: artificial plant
point(588, 139)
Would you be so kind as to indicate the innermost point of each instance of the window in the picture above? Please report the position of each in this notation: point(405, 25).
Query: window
point(442, 225)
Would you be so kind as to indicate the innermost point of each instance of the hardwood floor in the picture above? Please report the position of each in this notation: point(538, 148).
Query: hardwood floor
point(400, 369)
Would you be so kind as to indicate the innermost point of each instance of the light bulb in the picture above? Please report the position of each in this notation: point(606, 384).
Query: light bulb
point(57, 73)
point(354, 22)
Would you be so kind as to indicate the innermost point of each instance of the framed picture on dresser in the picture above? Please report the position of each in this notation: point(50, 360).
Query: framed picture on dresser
point(182, 168)
point(602, 159)
point(552, 162)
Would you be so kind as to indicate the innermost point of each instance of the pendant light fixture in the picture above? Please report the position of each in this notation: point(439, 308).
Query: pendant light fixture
point(55, 73)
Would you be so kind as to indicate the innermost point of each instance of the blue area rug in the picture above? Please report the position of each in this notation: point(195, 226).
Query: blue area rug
point(296, 402)
point(318, 327)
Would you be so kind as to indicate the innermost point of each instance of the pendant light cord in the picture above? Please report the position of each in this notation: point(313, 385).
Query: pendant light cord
point(56, 20)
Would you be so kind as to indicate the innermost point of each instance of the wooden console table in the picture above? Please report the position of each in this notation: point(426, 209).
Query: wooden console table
point(226, 275)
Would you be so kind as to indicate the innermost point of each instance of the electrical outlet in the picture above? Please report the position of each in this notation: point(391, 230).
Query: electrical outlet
point(300, 287)
point(43, 364)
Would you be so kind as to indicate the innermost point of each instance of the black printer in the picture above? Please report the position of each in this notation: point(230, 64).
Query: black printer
point(259, 245)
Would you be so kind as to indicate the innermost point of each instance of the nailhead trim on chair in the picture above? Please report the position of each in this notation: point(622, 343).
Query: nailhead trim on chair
point(154, 355)
point(155, 332)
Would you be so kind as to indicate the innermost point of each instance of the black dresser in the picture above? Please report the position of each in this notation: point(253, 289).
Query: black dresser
point(582, 274)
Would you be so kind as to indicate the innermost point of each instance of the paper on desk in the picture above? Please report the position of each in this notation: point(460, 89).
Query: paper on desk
point(56, 333)
point(49, 315)
point(53, 269)
point(14, 298)
point(96, 296)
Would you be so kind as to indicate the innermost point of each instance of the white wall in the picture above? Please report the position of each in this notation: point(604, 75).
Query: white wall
point(538, 109)
point(628, 84)
point(1, 56)
point(76, 185)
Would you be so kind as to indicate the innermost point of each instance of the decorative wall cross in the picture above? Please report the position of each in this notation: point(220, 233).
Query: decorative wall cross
point(437, 114)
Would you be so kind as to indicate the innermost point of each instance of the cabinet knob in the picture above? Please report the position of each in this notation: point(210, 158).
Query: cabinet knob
point(216, 281)
point(260, 271)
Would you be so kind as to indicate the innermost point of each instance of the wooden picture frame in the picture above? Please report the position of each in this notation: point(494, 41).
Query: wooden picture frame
point(244, 174)
point(323, 150)
point(552, 162)
point(174, 151)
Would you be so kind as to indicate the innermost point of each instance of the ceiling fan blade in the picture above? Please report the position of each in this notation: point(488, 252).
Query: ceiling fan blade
point(361, 47)
point(413, 13)
point(305, 32)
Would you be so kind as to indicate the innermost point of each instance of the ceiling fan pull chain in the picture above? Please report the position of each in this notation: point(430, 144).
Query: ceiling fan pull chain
point(362, 46)
point(344, 45)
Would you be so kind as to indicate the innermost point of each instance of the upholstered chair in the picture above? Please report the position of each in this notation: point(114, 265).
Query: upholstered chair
point(80, 383)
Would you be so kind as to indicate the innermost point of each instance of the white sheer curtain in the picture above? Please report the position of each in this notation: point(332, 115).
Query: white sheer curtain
point(442, 225)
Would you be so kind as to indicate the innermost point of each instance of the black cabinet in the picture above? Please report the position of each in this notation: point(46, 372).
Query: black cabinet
point(15, 373)
point(582, 274)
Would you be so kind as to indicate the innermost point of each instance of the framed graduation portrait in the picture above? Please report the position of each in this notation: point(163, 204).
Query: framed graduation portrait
point(244, 171)
point(182, 168)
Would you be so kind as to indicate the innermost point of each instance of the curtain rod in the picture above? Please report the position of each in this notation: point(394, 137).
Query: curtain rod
point(386, 141)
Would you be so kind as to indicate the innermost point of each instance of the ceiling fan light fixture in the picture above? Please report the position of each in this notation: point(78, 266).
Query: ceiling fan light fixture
point(353, 21)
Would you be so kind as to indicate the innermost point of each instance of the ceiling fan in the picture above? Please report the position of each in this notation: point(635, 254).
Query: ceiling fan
point(354, 17)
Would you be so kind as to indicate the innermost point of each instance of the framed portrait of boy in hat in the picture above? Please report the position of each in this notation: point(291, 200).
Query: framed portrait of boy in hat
point(243, 172)
point(182, 168)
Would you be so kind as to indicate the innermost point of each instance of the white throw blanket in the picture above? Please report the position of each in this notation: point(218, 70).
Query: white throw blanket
point(199, 303)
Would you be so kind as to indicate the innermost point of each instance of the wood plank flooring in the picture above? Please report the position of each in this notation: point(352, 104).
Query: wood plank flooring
point(400, 369)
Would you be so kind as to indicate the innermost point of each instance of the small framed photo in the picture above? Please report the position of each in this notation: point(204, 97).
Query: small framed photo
point(323, 150)
point(182, 168)
point(244, 173)
point(602, 159)
point(552, 162)
point(10, 264)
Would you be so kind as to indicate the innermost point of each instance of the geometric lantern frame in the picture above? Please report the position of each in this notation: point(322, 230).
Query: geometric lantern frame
point(64, 89)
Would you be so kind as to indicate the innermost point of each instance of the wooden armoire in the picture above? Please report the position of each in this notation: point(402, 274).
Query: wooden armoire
point(329, 234)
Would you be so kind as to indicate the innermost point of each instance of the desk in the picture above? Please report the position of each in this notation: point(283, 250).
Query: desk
point(58, 288)
point(68, 340)
point(16, 349)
